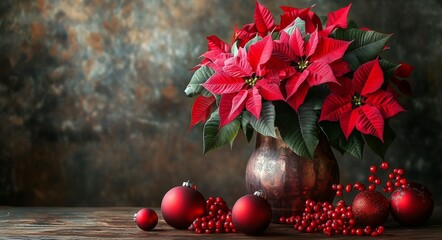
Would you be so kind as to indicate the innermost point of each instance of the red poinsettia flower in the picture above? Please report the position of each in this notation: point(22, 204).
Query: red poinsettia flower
point(218, 52)
point(312, 21)
point(336, 19)
point(397, 83)
point(313, 60)
point(244, 81)
point(360, 103)
point(264, 23)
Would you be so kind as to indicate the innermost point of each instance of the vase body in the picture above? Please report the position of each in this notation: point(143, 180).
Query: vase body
point(287, 179)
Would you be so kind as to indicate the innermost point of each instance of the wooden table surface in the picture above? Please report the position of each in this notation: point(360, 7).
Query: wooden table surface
point(117, 223)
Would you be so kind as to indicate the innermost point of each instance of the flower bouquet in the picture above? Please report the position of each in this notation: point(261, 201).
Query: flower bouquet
point(304, 77)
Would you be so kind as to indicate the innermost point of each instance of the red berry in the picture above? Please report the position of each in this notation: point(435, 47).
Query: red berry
point(373, 169)
point(227, 225)
point(403, 181)
point(348, 188)
point(377, 181)
point(339, 187)
point(215, 219)
point(384, 165)
point(368, 230)
point(380, 230)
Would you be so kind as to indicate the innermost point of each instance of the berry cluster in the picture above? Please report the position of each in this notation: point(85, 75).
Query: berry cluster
point(217, 220)
point(339, 219)
point(330, 220)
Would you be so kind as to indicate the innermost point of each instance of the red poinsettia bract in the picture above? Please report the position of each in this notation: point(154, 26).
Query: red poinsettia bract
point(361, 103)
point(201, 109)
point(245, 81)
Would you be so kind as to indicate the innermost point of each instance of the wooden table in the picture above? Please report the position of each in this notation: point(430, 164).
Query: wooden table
point(117, 223)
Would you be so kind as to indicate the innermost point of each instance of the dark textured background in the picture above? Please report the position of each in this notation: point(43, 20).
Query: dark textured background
point(93, 113)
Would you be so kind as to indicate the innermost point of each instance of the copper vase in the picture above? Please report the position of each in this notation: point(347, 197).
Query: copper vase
point(287, 179)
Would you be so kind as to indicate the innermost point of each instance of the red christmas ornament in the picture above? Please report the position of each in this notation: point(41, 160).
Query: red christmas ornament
point(146, 219)
point(252, 214)
point(181, 205)
point(370, 208)
point(412, 205)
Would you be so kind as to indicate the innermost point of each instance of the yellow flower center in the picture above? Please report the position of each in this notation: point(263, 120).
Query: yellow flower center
point(252, 81)
point(357, 101)
point(302, 65)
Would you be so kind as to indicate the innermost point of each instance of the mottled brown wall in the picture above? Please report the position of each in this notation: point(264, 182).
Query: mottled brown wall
point(92, 108)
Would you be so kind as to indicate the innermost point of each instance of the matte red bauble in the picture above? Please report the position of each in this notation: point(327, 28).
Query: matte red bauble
point(370, 208)
point(411, 206)
point(252, 214)
point(181, 205)
point(146, 219)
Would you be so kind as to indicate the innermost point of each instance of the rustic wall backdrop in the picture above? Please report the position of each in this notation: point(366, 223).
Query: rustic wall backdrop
point(93, 113)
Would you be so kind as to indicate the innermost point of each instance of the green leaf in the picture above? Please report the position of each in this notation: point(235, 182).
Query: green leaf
point(333, 132)
point(388, 68)
point(234, 49)
point(352, 24)
point(249, 133)
point(215, 137)
point(246, 127)
point(200, 76)
point(316, 96)
point(366, 45)
point(252, 41)
point(301, 133)
point(354, 145)
point(376, 145)
point(308, 121)
point(265, 125)
point(323, 20)
point(299, 24)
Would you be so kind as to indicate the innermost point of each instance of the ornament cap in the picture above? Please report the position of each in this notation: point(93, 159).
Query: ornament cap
point(135, 217)
point(259, 193)
point(190, 184)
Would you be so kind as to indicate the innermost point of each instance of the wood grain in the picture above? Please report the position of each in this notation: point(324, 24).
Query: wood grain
point(117, 223)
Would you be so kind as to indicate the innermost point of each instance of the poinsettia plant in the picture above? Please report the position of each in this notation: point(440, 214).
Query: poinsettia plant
point(306, 76)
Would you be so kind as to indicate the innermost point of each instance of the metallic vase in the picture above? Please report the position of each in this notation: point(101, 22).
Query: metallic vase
point(287, 179)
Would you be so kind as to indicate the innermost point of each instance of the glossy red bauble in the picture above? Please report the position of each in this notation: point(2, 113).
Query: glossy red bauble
point(146, 219)
point(182, 205)
point(411, 206)
point(251, 214)
point(370, 208)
